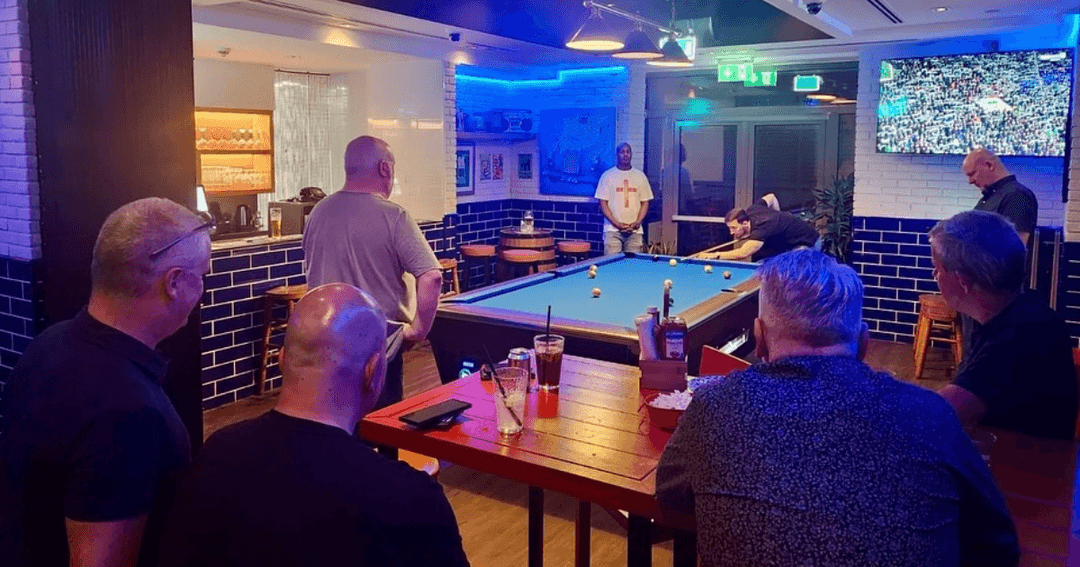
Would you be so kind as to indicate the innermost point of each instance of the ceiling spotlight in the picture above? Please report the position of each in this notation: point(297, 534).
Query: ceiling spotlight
point(595, 35)
point(822, 97)
point(941, 9)
point(638, 46)
point(673, 56)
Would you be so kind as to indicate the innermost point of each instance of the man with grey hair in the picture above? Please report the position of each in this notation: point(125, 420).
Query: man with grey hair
point(813, 458)
point(294, 486)
point(1017, 372)
point(359, 237)
point(93, 444)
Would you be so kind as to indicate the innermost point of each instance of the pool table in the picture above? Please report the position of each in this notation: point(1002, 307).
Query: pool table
point(508, 315)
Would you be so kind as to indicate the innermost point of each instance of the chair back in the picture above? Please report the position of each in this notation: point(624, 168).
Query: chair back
point(714, 362)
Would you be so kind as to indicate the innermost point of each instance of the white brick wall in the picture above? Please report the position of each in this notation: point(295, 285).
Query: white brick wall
point(1072, 217)
point(625, 90)
point(932, 187)
point(450, 129)
point(20, 230)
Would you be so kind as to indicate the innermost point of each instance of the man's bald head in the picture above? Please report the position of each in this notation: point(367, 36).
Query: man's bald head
point(983, 168)
point(369, 165)
point(335, 350)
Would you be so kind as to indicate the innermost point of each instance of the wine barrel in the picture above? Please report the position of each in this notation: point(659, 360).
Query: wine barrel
point(539, 239)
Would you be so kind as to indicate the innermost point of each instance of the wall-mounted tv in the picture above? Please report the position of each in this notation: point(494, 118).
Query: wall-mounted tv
point(1014, 103)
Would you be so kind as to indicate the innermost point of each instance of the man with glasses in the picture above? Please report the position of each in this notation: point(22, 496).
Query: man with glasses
point(359, 237)
point(93, 444)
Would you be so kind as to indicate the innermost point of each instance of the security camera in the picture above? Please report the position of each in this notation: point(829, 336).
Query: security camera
point(455, 36)
point(813, 8)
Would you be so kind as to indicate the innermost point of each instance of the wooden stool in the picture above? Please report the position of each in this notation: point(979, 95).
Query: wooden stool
point(474, 254)
point(422, 463)
point(288, 294)
point(937, 322)
point(450, 265)
point(573, 250)
point(520, 259)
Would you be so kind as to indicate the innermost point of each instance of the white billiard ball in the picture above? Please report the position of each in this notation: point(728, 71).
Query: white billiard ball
point(596, 292)
point(593, 268)
point(591, 274)
point(727, 275)
point(708, 269)
point(668, 284)
point(673, 261)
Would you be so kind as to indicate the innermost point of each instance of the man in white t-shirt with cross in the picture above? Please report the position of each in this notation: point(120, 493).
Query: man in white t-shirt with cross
point(624, 194)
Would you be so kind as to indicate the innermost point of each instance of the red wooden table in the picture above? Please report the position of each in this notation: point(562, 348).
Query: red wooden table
point(591, 441)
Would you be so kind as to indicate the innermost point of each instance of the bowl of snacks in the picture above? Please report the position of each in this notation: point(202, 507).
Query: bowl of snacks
point(665, 408)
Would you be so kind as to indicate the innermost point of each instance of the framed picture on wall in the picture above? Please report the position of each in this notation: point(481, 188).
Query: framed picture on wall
point(485, 167)
point(524, 166)
point(466, 182)
point(496, 166)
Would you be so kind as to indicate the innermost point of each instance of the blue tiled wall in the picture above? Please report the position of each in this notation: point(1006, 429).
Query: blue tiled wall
point(20, 312)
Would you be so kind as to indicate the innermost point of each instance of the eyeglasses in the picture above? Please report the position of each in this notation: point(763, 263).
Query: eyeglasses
point(160, 251)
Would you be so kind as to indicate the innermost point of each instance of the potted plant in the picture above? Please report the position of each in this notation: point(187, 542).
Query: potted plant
point(833, 208)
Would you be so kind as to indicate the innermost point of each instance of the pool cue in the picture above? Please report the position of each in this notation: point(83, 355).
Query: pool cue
point(716, 248)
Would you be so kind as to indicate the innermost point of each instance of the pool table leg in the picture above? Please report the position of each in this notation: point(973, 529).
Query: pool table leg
point(536, 527)
point(583, 529)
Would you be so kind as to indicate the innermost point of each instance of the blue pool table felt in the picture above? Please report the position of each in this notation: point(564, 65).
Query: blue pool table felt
point(628, 285)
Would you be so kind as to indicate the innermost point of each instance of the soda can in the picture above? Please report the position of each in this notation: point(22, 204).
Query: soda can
point(520, 358)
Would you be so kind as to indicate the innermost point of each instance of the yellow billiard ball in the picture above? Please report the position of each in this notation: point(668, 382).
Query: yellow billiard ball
point(596, 292)
point(672, 262)
point(727, 275)
point(593, 268)
point(591, 274)
point(708, 269)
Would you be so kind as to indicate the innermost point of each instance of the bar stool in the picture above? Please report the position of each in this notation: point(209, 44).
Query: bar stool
point(450, 265)
point(478, 254)
point(289, 295)
point(937, 322)
point(573, 250)
point(520, 259)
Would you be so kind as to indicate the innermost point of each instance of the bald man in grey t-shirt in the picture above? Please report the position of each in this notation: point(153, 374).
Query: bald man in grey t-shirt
point(356, 236)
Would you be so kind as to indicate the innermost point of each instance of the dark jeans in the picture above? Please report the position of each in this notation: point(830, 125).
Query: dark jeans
point(393, 390)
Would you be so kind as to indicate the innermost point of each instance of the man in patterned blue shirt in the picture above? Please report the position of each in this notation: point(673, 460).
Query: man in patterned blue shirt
point(813, 458)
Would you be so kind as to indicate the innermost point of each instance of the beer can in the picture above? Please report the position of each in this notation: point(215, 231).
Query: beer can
point(520, 358)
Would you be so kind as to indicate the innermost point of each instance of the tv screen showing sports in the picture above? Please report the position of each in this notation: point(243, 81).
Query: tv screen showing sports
point(1013, 103)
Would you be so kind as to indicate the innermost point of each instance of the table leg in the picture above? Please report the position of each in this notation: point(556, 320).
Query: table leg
point(536, 527)
point(684, 553)
point(582, 545)
point(639, 542)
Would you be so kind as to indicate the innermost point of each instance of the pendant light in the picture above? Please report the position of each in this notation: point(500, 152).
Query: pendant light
point(671, 54)
point(638, 46)
point(595, 35)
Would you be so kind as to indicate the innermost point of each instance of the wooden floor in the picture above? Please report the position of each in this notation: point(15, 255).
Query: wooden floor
point(491, 511)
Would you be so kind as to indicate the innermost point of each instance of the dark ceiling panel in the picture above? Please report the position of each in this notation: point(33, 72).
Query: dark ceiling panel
point(552, 22)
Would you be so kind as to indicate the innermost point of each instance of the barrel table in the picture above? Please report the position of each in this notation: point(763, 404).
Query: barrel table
point(539, 240)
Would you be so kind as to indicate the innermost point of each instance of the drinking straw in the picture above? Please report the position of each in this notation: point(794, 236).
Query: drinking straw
point(547, 329)
point(502, 391)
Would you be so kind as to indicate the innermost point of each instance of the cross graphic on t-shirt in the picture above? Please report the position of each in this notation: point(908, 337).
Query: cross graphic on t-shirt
point(626, 190)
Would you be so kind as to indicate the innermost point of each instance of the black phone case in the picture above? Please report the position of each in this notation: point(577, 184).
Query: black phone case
point(432, 415)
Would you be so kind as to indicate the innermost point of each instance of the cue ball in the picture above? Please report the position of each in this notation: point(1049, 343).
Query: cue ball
point(708, 269)
point(596, 292)
point(592, 274)
point(593, 268)
point(672, 262)
point(727, 275)
point(668, 284)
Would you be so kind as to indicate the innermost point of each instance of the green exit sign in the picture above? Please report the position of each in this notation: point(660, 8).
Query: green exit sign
point(761, 77)
point(807, 83)
point(734, 72)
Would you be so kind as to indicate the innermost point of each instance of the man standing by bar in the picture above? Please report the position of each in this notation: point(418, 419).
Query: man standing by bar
point(624, 194)
point(359, 237)
point(1002, 193)
point(93, 444)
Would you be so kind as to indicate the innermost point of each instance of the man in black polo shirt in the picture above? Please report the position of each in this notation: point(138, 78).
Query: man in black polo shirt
point(1001, 192)
point(1017, 372)
point(93, 445)
point(763, 231)
point(295, 486)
